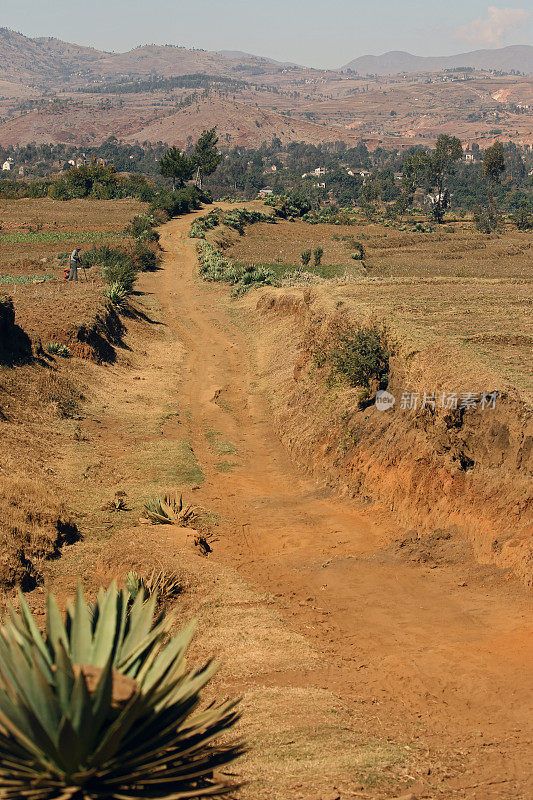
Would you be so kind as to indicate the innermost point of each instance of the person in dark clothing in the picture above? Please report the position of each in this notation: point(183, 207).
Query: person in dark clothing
point(75, 262)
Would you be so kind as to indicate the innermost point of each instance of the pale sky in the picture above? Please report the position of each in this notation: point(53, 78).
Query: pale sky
point(322, 33)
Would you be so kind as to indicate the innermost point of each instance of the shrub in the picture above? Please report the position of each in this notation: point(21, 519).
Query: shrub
point(121, 271)
point(318, 254)
point(237, 219)
point(112, 707)
point(57, 349)
point(359, 254)
point(206, 223)
point(145, 258)
point(215, 267)
point(141, 228)
point(179, 202)
point(117, 265)
point(306, 257)
point(59, 190)
point(486, 218)
point(293, 204)
point(523, 216)
point(361, 356)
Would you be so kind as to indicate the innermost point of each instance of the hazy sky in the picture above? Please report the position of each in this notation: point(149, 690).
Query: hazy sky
point(324, 33)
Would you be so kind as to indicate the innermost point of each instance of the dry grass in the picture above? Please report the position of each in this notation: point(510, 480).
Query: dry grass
point(296, 727)
point(457, 289)
point(33, 527)
point(57, 390)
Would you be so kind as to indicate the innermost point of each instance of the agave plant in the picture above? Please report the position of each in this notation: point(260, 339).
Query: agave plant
point(102, 706)
point(117, 294)
point(169, 511)
point(164, 585)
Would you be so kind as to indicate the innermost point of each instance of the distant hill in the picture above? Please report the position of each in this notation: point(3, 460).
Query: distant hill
point(517, 57)
point(34, 61)
point(49, 62)
point(240, 54)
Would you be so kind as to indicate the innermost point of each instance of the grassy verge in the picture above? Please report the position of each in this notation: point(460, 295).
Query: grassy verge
point(25, 237)
point(14, 279)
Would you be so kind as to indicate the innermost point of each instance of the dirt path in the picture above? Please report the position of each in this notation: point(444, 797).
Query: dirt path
point(436, 660)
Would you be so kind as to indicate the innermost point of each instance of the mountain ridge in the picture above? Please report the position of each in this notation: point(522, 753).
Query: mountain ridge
point(514, 57)
point(47, 61)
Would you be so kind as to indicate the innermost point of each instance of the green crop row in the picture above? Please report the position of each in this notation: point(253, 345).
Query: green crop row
point(13, 279)
point(21, 237)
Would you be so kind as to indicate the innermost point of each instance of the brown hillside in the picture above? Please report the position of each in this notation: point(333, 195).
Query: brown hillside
point(237, 123)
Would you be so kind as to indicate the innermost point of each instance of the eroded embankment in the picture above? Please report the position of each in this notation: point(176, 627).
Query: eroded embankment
point(467, 471)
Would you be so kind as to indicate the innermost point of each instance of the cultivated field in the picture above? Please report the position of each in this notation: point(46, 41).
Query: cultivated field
point(451, 285)
point(35, 235)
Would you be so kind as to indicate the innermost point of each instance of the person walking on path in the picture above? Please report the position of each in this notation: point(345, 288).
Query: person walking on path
point(75, 262)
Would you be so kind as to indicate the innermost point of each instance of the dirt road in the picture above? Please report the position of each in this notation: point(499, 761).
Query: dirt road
point(438, 659)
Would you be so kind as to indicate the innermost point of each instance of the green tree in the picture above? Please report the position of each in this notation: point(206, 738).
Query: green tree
point(176, 166)
point(318, 254)
point(206, 157)
point(493, 168)
point(415, 167)
point(447, 151)
point(306, 257)
point(494, 162)
point(523, 215)
point(433, 168)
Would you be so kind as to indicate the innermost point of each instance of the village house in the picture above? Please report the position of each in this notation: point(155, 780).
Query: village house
point(265, 192)
point(318, 172)
point(8, 165)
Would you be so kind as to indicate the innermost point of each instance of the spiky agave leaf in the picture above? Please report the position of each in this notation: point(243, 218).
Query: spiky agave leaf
point(164, 585)
point(169, 511)
point(104, 707)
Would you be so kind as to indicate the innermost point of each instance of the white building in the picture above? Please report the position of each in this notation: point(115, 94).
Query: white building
point(318, 172)
point(7, 166)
